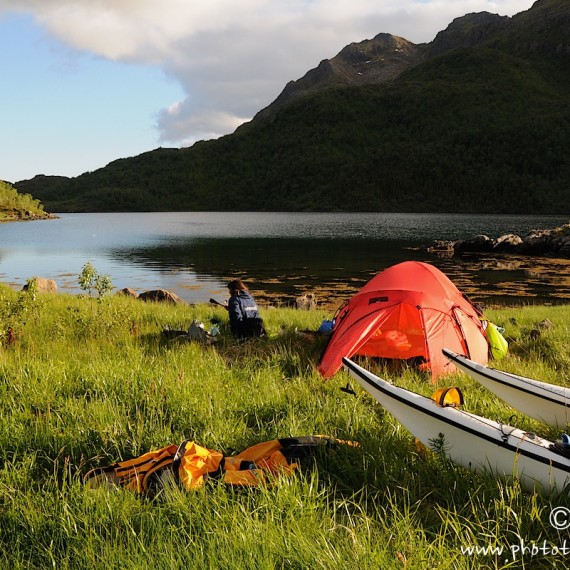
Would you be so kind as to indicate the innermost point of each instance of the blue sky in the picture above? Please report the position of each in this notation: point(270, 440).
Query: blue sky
point(85, 82)
point(66, 111)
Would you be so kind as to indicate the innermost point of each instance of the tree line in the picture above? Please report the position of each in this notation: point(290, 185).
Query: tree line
point(14, 205)
point(475, 130)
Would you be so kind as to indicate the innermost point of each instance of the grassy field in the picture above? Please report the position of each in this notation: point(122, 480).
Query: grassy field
point(87, 382)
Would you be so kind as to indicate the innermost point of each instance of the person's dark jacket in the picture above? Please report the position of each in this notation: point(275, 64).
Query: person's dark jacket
point(245, 320)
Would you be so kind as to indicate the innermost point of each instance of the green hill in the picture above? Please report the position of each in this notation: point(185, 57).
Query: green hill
point(476, 121)
point(15, 206)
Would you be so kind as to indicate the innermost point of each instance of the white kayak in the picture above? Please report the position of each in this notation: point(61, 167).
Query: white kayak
point(469, 440)
point(544, 402)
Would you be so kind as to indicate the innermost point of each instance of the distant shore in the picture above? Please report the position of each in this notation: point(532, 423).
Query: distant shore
point(554, 242)
point(25, 217)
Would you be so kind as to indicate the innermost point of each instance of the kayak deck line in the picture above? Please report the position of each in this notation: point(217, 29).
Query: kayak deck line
point(495, 375)
point(498, 443)
point(542, 401)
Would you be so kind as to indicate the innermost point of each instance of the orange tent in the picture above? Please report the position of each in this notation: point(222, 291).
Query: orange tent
point(409, 310)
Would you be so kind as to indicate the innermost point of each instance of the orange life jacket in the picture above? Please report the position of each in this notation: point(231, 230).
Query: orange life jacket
point(191, 464)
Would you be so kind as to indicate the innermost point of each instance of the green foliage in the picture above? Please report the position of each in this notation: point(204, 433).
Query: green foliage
point(18, 311)
point(475, 129)
point(14, 205)
point(86, 383)
point(91, 280)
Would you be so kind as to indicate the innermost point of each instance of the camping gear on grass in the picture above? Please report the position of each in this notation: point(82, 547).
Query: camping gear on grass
point(448, 396)
point(498, 345)
point(471, 441)
point(408, 311)
point(190, 465)
point(544, 402)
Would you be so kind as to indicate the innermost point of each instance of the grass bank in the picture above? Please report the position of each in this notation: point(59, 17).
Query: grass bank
point(87, 382)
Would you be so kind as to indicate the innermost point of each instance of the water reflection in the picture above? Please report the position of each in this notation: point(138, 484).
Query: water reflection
point(278, 268)
point(193, 254)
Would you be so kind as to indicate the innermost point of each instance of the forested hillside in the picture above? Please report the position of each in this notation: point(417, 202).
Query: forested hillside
point(16, 206)
point(476, 121)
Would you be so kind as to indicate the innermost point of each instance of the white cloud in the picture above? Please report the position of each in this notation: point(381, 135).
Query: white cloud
point(185, 128)
point(233, 57)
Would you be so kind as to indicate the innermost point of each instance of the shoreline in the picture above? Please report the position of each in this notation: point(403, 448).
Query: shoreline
point(553, 242)
point(28, 217)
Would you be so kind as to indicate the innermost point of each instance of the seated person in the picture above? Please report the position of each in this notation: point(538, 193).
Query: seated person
point(245, 320)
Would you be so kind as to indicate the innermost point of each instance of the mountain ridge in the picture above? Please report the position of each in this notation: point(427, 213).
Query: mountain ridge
point(476, 120)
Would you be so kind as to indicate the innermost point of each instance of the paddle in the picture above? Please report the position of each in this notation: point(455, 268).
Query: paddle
point(214, 302)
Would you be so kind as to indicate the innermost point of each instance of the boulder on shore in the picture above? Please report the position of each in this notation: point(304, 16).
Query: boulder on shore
point(128, 292)
point(41, 285)
point(307, 302)
point(554, 243)
point(507, 243)
point(477, 243)
point(161, 296)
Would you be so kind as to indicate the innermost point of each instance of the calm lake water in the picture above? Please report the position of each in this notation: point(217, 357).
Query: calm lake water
point(279, 254)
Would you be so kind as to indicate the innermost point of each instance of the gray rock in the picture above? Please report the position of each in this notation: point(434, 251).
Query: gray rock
point(508, 242)
point(545, 324)
point(161, 296)
point(306, 302)
point(128, 292)
point(479, 243)
point(42, 285)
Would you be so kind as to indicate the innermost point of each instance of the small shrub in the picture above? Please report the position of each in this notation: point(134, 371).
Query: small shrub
point(91, 280)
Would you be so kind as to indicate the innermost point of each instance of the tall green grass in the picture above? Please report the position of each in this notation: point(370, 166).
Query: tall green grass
point(87, 382)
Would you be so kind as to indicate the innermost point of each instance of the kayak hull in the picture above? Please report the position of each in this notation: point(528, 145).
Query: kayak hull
point(544, 402)
point(472, 441)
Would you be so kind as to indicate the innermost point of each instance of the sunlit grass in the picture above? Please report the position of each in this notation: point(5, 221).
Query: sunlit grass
point(87, 382)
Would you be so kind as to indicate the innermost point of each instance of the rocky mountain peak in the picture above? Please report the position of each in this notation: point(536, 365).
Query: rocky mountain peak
point(543, 29)
point(367, 62)
point(467, 31)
